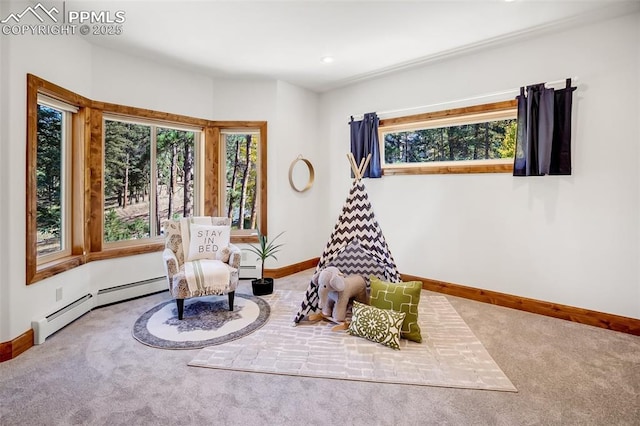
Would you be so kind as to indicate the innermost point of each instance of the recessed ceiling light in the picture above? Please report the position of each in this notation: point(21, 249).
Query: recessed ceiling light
point(326, 59)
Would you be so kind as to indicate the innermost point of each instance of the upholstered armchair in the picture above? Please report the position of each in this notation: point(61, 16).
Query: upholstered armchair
point(199, 260)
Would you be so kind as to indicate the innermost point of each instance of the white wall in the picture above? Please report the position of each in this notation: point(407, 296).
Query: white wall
point(247, 99)
point(110, 76)
point(570, 240)
point(253, 100)
point(122, 79)
point(292, 129)
point(4, 175)
point(39, 55)
point(299, 214)
point(637, 67)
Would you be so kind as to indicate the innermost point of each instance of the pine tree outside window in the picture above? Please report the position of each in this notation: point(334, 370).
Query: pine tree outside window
point(53, 178)
point(149, 177)
point(477, 139)
point(241, 179)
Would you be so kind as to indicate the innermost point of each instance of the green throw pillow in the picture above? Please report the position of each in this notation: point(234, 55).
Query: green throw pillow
point(400, 297)
point(377, 325)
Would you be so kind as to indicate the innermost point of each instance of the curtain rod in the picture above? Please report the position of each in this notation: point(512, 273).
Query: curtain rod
point(473, 98)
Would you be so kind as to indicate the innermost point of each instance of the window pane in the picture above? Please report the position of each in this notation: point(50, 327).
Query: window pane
point(49, 167)
point(175, 181)
point(241, 180)
point(478, 141)
point(127, 172)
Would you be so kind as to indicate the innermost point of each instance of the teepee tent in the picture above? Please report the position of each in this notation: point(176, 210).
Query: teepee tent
point(356, 245)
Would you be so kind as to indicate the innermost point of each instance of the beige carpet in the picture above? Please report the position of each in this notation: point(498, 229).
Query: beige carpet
point(450, 354)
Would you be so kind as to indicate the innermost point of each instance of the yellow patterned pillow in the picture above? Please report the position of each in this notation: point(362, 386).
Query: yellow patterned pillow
point(378, 325)
point(400, 297)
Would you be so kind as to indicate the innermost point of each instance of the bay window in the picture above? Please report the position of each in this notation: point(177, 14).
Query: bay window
point(102, 178)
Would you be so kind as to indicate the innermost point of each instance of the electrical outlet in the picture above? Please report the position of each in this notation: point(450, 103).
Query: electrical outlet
point(58, 294)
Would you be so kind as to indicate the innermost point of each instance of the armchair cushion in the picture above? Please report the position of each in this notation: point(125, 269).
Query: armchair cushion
point(207, 241)
point(185, 228)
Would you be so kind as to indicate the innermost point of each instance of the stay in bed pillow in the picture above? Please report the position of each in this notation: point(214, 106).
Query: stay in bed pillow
point(207, 241)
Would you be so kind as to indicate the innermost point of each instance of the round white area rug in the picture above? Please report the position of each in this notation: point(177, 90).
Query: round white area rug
point(207, 321)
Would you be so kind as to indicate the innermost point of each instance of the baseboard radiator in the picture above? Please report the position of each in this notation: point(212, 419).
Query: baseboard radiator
point(48, 325)
point(119, 293)
point(45, 327)
point(249, 269)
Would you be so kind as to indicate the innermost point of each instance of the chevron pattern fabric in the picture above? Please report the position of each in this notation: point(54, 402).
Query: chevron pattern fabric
point(356, 260)
point(356, 223)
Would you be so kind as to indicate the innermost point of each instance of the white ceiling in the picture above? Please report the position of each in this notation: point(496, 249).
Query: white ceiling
point(286, 39)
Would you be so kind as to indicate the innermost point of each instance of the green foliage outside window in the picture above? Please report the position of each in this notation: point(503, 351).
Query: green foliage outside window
point(241, 178)
point(49, 180)
point(175, 174)
point(126, 177)
point(129, 176)
point(480, 141)
point(508, 147)
point(117, 229)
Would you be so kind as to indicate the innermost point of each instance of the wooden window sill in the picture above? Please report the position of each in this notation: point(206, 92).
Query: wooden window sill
point(451, 169)
point(49, 269)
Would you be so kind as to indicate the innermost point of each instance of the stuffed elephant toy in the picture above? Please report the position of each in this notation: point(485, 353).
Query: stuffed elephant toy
point(336, 290)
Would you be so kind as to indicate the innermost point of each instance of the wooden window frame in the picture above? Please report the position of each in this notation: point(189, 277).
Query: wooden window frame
point(154, 125)
point(66, 174)
point(78, 213)
point(214, 178)
point(449, 167)
point(244, 235)
point(87, 169)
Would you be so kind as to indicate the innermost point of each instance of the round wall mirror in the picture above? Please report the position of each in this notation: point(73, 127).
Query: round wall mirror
point(301, 174)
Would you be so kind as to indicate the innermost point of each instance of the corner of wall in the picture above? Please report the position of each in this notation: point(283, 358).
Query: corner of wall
point(4, 181)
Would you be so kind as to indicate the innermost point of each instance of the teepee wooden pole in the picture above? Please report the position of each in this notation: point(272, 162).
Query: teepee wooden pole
point(363, 167)
point(358, 170)
point(354, 168)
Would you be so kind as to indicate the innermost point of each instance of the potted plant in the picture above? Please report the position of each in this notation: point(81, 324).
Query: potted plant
point(264, 250)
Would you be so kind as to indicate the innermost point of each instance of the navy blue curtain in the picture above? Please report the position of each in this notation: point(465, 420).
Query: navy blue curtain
point(543, 141)
point(364, 141)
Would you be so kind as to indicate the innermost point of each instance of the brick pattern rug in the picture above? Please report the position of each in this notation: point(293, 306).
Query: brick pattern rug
point(450, 354)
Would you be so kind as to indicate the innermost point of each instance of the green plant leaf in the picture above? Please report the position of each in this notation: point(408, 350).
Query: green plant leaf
point(266, 248)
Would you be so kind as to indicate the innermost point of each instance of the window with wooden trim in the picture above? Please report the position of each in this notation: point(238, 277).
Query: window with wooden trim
point(53, 179)
point(241, 184)
point(102, 178)
point(149, 177)
point(478, 139)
